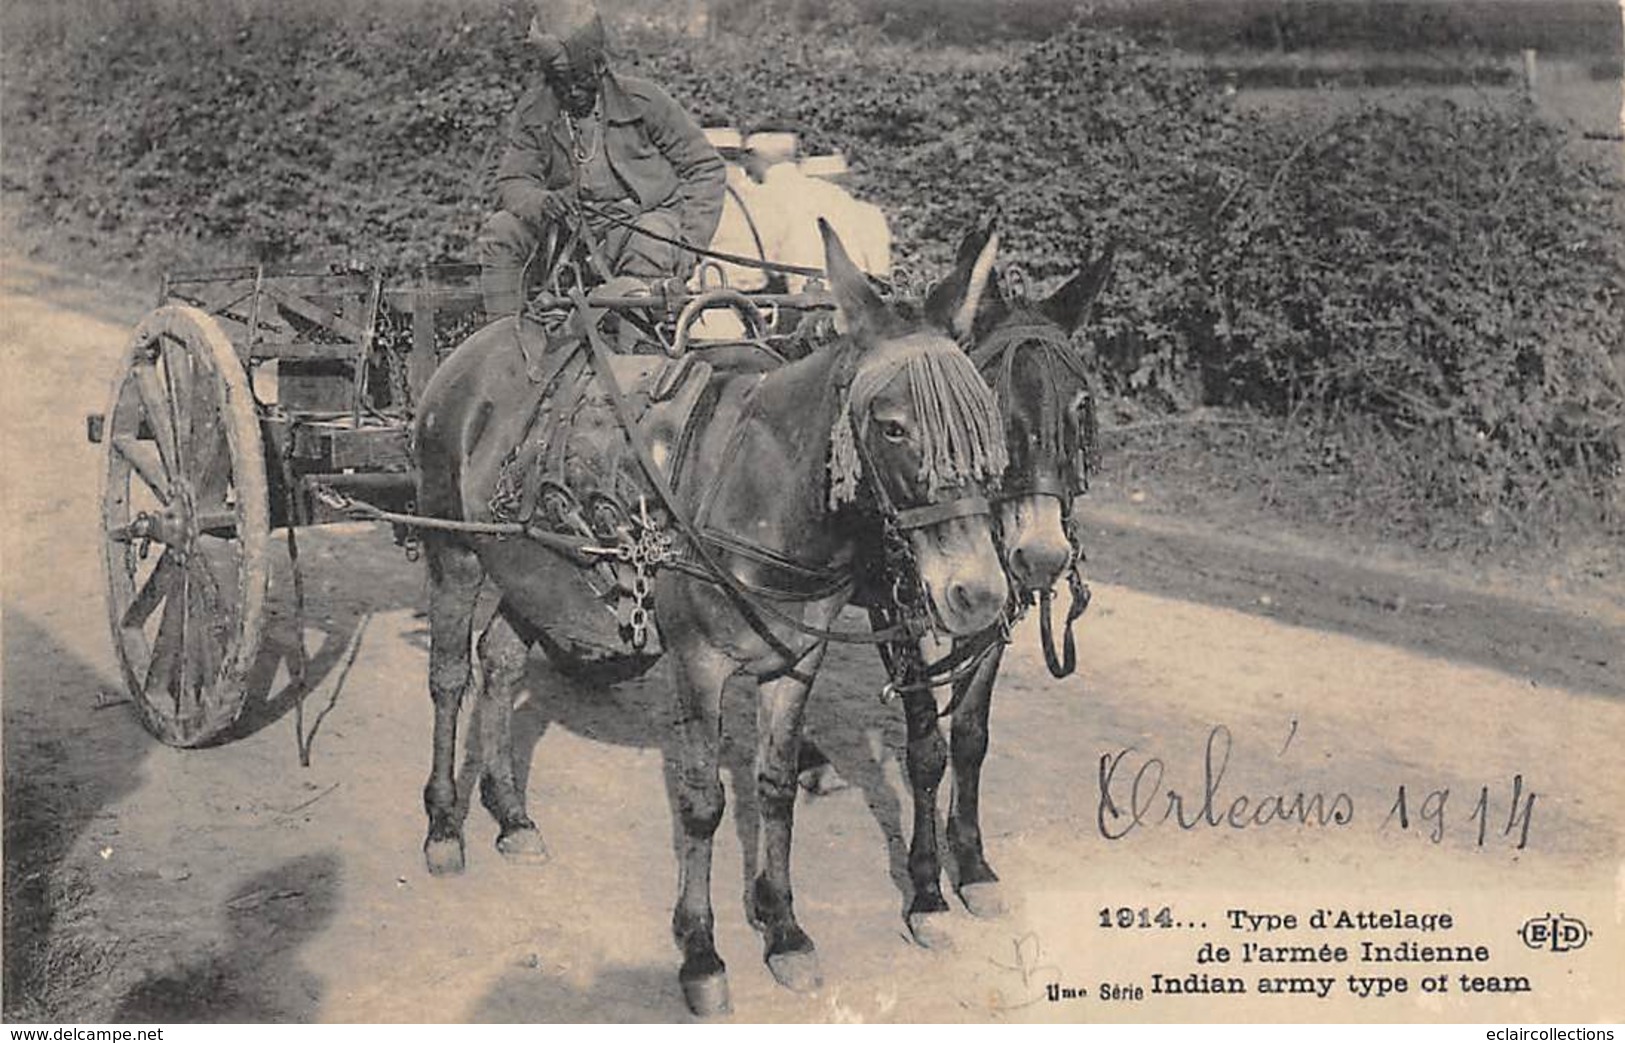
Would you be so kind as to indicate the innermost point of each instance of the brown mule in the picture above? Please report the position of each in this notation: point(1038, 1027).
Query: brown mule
point(793, 464)
point(1023, 349)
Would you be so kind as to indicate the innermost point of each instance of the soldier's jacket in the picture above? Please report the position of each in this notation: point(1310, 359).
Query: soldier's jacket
point(650, 142)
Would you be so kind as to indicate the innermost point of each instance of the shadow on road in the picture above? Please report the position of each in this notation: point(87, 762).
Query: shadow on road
point(859, 733)
point(65, 762)
point(854, 729)
point(257, 977)
point(349, 574)
point(640, 995)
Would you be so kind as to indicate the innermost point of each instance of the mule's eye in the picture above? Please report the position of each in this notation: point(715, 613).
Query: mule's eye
point(893, 430)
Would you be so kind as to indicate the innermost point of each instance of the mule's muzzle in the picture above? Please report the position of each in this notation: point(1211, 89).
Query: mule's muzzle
point(1038, 566)
point(960, 571)
point(1035, 541)
point(975, 606)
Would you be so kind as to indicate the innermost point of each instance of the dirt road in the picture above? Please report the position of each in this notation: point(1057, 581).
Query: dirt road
point(1431, 748)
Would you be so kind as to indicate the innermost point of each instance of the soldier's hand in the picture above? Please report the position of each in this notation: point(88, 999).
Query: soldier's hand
point(559, 204)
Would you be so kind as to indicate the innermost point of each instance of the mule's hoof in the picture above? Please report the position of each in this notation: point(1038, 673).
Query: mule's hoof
point(523, 846)
point(796, 971)
point(822, 780)
point(930, 931)
point(707, 995)
point(985, 900)
point(444, 857)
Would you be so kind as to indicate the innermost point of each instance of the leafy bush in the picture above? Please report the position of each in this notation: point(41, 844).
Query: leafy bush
point(1435, 281)
point(1552, 26)
point(1449, 273)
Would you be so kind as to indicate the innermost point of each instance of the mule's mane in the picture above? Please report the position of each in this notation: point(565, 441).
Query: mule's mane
point(961, 436)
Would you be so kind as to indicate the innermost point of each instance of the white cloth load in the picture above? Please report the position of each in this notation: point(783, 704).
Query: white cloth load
point(777, 218)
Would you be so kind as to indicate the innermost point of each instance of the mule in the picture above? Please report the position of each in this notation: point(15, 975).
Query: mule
point(790, 468)
point(1023, 349)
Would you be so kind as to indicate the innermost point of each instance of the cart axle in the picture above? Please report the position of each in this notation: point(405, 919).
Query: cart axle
point(171, 529)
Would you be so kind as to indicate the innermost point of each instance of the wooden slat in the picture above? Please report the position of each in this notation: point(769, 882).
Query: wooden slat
point(321, 316)
point(337, 446)
point(370, 449)
point(303, 349)
point(211, 275)
point(236, 331)
point(287, 271)
point(212, 296)
point(410, 300)
point(421, 363)
point(308, 385)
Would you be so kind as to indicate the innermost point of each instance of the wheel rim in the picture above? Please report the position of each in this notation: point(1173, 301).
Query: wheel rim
point(186, 525)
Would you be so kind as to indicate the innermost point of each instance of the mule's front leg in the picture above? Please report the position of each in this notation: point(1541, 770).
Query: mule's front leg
point(504, 652)
point(927, 760)
point(789, 952)
point(978, 885)
point(455, 576)
point(700, 675)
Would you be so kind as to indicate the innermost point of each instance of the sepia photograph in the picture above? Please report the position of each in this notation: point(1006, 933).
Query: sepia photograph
point(985, 512)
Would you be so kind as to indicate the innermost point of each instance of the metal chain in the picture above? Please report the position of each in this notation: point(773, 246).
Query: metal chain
point(652, 548)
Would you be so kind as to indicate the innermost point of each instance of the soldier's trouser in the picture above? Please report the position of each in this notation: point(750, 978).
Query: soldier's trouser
point(507, 243)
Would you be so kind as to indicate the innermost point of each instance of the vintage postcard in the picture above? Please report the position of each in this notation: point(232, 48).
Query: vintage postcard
point(929, 512)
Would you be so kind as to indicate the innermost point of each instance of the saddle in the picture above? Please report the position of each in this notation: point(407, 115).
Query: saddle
point(574, 472)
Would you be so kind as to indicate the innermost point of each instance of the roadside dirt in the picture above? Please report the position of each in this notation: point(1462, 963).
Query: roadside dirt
point(234, 884)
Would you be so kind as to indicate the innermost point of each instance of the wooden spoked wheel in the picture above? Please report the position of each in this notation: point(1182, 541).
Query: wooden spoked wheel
point(186, 523)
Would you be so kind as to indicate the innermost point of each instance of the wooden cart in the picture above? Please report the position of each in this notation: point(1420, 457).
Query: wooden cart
point(244, 392)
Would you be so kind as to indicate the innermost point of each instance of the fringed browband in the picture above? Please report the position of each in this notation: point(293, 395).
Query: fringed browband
point(960, 432)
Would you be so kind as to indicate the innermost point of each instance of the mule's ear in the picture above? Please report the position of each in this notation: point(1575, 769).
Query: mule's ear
point(952, 305)
point(861, 307)
point(1067, 306)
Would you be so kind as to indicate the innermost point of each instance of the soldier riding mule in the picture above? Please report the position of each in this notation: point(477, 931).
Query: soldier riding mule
point(771, 489)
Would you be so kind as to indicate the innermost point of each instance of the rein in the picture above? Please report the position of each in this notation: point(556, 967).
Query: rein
point(998, 350)
point(761, 264)
point(912, 676)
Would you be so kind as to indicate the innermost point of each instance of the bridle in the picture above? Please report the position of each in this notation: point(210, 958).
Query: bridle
point(995, 357)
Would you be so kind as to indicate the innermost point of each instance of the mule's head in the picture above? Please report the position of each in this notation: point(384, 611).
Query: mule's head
point(1023, 350)
point(919, 434)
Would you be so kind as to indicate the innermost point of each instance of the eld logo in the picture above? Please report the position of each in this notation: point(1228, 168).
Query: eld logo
point(1557, 932)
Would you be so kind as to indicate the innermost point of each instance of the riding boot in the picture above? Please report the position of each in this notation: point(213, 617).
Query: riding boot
point(500, 286)
point(504, 247)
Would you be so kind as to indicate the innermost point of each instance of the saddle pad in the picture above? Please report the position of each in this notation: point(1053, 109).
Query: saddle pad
point(589, 454)
point(574, 439)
